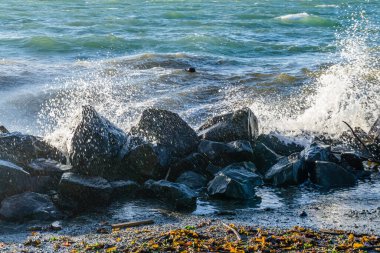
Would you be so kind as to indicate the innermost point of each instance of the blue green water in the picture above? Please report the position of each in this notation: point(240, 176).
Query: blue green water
point(124, 56)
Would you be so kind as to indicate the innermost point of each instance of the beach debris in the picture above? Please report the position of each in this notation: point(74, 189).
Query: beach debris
point(131, 224)
point(230, 227)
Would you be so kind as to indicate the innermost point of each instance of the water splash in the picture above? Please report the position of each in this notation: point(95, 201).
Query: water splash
point(347, 90)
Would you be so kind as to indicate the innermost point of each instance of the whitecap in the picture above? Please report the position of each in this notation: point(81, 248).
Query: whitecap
point(327, 6)
point(294, 17)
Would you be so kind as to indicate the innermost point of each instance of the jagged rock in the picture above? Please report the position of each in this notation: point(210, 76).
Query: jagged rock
point(86, 190)
point(288, 171)
point(29, 206)
point(235, 183)
point(317, 152)
point(195, 162)
point(352, 159)
point(43, 184)
point(329, 175)
point(374, 132)
point(96, 145)
point(179, 196)
point(123, 188)
point(21, 149)
point(280, 146)
point(167, 129)
point(226, 153)
point(264, 158)
point(13, 179)
point(47, 167)
point(238, 125)
point(141, 163)
point(192, 179)
point(3, 130)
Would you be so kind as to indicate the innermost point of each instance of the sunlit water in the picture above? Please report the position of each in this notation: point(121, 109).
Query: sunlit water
point(300, 65)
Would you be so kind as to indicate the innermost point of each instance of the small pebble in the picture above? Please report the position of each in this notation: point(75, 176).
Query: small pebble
point(303, 214)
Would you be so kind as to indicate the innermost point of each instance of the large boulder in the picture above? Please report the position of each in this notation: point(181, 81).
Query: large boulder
point(122, 188)
point(226, 153)
point(21, 149)
point(330, 175)
point(85, 190)
point(264, 158)
point(192, 179)
point(13, 179)
point(96, 145)
point(234, 183)
point(195, 162)
point(317, 151)
point(3, 130)
point(284, 146)
point(167, 129)
point(29, 206)
point(179, 196)
point(288, 171)
point(238, 125)
point(47, 167)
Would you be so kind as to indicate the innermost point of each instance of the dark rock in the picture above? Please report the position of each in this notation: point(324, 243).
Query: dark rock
point(223, 154)
point(264, 158)
point(317, 152)
point(279, 145)
point(235, 183)
point(194, 162)
point(29, 206)
point(179, 196)
point(123, 188)
point(303, 214)
point(22, 149)
point(167, 129)
point(192, 179)
point(191, 70)
point(87, 191)
point(47, 167)
point(238, 125)
point(13, 179)
point(374, 132)
point(352, 159)
point(288, 171)
point(3, 130)
point(242, 165)
point(96, 145)
point(329, 175)
point(212, 169)
point(141, 163)
point(43, 184)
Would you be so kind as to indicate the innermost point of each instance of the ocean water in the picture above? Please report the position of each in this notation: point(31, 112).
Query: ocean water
point(300, 65)
point(303, 66)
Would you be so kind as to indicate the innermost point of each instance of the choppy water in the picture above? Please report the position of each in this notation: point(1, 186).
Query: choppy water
point(300, 65)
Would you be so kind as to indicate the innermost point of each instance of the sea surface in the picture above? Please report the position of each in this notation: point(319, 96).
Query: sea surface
point(303, 66)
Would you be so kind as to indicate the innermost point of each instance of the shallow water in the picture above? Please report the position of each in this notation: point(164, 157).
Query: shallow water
point(300, 65)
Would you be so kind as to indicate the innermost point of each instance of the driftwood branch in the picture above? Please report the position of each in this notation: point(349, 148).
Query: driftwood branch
point(131, 224)
point(233, 230)
point(357, 137)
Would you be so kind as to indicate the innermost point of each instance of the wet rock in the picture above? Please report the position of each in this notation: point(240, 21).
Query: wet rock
point(191, 70)
point(141, 163)
point(288, 171)
point(329, 175)
point(192, 179)
point(352, 159)
point(21, 149)
point(264, 158)
point(280, 146)
point(96, 145)
point(194, 162)
point(13, 179)
point(250, 166)
point(238, 125)
point(317, 151)
point(123, 188)
point(179, 196)
point(212, 170)
point(29, 206)
point(374, 132)
point(86, 190)
point(47, 167)
point(43, 184)
point(3, 130)
point(225, 153)
point(303, 214)
point(167, 129)
point(234, 183)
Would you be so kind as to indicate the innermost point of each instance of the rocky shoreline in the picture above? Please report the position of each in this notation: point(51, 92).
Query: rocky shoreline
point(163, 158)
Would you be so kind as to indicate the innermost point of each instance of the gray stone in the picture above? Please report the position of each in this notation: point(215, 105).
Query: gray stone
point(167, 129)
point(21, 149)
point(234, 183)
point(330, 175)
point(29, 206)
point(264, 158)
point(238, 125)
point(86, 190)
point(288, 171)
point(279, 145)
point(179, 196)
point(192, 179)
point(47, 167)
point(13, 179)
point(96, 145)
point(222, 154)
point(195, 162)
point(123, 188)
point(3, 130)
